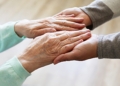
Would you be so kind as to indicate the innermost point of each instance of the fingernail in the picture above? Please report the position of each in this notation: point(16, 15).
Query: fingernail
point(52, 29)
point(56, 62)
point(81, 40)
point(83, 25)
point(71, 15)
point(88, 34)
point(88, 30)
point(81, 18)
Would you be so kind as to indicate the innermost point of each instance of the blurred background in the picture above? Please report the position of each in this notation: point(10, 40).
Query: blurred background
point(94, 72)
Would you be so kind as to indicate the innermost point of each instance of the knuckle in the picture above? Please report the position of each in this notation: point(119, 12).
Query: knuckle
point(66, 47)
point(43, 31)
point(69, 40)
point(81, 36)
point(69, 35)
point(32, 32)
point(47, 34)
point(31, 27)
point(50, 40)
point(63, 22)
point(46, 23)
point(45, 20)
point(52, 46)
point(46, 30)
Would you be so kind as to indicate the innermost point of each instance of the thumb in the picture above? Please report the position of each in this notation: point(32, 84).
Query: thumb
point(65, 13)
point(43, 31)
point(59, 59)
point(64, 57)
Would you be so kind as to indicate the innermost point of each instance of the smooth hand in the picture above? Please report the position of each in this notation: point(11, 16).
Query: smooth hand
point(83, 51)
point(43, 49)
point(75, 12)
point(34, 28)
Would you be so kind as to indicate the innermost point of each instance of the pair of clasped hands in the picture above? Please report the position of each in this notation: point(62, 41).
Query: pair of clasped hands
point(56, 39)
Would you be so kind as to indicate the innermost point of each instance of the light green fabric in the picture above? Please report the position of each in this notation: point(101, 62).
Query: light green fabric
point(8, 37)
point(12, 72)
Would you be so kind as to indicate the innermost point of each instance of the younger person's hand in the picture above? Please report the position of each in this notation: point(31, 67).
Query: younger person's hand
point(83, 51)
point(76, 12)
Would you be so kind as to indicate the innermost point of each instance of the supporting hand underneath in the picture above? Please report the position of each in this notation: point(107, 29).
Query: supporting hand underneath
point(83, 51)
point(75, 12)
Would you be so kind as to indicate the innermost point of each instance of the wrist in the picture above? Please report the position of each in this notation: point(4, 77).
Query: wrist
point(18, 30)
point(30, 66)
point(87, 21)
point(95, 45)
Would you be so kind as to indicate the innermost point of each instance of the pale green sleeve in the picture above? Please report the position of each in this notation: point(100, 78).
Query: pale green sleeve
point(8, 37)
point(12, 73)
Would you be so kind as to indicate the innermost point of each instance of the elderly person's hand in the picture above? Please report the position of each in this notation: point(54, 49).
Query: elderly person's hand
point(43, 49)
point(34, 28)
point(83, 51)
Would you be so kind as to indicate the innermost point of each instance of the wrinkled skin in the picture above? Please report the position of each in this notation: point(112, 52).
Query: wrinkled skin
point(34, 28)
point(44, 49)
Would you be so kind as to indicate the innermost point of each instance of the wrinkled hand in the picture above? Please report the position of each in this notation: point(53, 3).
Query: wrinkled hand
point(43, 49)
point(75, 12)
point(34, 28)
point(83, 51)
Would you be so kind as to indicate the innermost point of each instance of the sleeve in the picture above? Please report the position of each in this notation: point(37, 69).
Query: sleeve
point(100, 11)
point(8, 37)
point(12, 73)
point(109, 46)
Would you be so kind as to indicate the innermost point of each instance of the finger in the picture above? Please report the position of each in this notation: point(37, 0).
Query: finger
point(69, 24)
point(65, 57)
point(59, 25)
point(77, 38)
point(63, 32)
point(61, 15)
point(66, 12)
point(86, 36)
point(43, 31)
point(77, 20)
point(64, 28)
point(69, 47)
point(70, 34)
point(57, 33)
point(68, 18)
